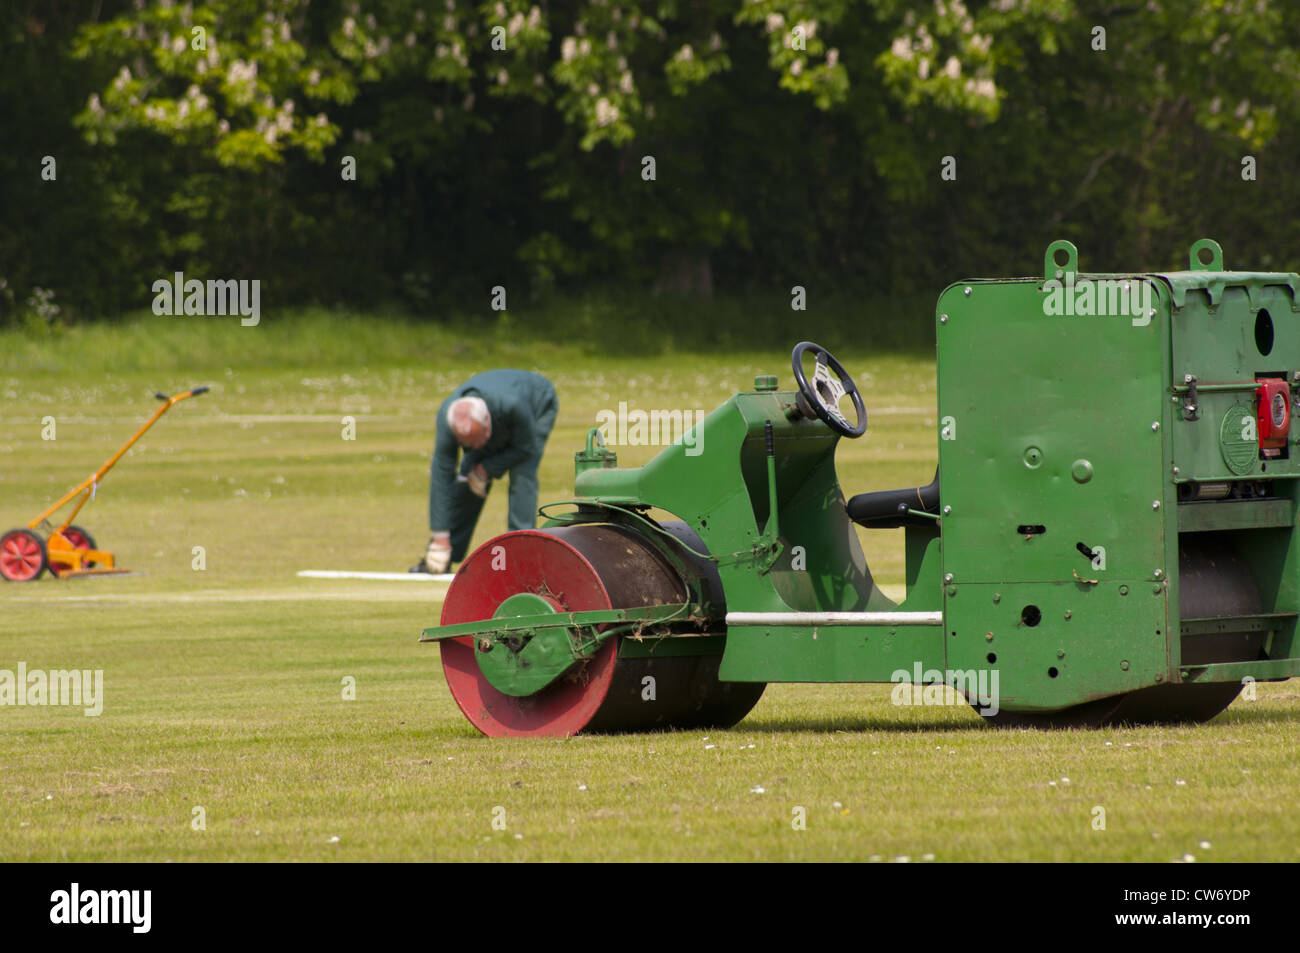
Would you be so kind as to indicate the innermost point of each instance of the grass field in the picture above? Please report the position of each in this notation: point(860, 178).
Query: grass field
point(223, 688)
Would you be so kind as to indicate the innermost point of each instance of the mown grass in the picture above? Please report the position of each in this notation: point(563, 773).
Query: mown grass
point(224, 687)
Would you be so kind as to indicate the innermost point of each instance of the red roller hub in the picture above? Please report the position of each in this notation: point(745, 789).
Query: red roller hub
point(579, 568)
point(526, 561)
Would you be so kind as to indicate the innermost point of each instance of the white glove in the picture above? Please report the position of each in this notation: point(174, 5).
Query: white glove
point(477, 479)
point(438, 558)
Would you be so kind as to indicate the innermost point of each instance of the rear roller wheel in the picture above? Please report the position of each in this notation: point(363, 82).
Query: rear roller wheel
point(79, 539)
point(1157, 705)
point(571, 569)
point(1212, 583)
point(22, 555)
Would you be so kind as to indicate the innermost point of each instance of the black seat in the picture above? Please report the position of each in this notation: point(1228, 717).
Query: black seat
point(887, 509)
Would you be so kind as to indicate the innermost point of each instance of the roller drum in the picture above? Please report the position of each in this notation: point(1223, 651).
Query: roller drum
point(575, 568)
point(1214, 582)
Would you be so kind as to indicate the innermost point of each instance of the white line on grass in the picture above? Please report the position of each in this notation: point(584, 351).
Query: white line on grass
point(390, 576)
point(231, 596)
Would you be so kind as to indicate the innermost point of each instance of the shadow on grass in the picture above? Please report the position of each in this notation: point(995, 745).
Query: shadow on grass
point(868, 725)
point(1239, 714)
point(1249, 713)
point(863, 725)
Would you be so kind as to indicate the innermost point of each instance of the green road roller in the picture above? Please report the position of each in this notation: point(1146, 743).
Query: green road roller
point(1109, 536)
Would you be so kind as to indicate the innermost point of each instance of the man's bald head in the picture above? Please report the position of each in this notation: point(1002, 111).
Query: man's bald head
point(470, 421)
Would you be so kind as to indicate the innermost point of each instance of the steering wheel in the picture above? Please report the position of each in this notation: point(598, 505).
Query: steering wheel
point(824, 393)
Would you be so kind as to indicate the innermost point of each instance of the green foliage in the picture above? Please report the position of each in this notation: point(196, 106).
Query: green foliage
point(793, 141)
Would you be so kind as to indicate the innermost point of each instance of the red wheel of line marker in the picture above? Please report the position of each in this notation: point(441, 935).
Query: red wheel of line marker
point(22, 555)
point(79, 539)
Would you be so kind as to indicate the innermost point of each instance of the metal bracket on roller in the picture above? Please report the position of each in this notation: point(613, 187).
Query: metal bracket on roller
point(556, 620)
point(767, 548)
point(763, 555)
point(1191, 405)
point(521, 655)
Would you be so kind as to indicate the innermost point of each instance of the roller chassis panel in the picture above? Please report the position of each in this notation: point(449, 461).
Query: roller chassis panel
point(1054, 438)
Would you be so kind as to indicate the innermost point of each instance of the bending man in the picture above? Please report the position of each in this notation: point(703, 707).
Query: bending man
point(501, 420)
